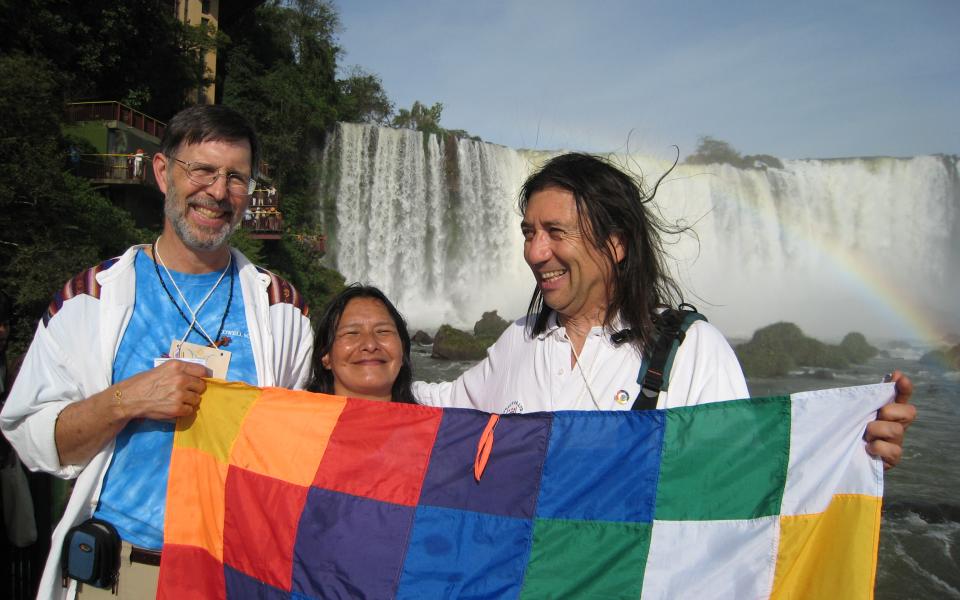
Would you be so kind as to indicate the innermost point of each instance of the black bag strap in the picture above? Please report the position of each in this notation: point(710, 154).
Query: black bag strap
point(654, 375)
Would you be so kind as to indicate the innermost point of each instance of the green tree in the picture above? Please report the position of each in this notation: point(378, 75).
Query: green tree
point(420, 117)
point(195, 43)
point(713, 151)
point(280, 71)
point(52, 224)
point(856, 348)
point(363, 99)
point(105, 50)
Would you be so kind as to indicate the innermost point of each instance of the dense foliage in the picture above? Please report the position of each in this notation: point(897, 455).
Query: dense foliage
point(52, 224)
point(279, 69)
point(133, 52)
point(277, 64)
point(427, 119)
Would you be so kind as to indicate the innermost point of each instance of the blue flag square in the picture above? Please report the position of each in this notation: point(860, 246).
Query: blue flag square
point(460, 554)
point(602, 466)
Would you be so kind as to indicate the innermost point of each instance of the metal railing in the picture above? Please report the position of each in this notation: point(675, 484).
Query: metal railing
point(264, 198)
point(114, 111)
point(114, 167)
point(263, 220)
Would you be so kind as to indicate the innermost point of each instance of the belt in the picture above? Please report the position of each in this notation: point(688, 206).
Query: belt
point(144, 556)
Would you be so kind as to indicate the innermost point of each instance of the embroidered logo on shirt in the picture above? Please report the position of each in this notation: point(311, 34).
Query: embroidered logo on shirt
point(514, 408)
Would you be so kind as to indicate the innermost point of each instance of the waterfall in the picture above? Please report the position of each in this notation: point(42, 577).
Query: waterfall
point(834, 245)
point(431, 222)
point(865, 244)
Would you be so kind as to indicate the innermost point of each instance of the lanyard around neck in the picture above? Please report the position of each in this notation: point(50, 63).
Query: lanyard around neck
point(193, 324)
point(586, 376)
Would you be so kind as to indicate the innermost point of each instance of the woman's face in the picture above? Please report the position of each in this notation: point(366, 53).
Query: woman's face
point(367, 352)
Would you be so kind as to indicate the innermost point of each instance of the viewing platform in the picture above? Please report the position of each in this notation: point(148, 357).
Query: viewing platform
point(112, 169)
point(263, 219)
point(115, 149)
point(114, 111)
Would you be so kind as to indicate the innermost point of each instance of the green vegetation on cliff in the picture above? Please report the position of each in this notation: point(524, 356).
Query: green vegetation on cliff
point(713, 151)
point(455, 344)
point(427, 119)
point(52, 224)
point(944, 358)
point(777, 349)
point(490, 325)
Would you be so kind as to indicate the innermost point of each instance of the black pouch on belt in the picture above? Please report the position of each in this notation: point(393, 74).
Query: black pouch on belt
point(91, 554)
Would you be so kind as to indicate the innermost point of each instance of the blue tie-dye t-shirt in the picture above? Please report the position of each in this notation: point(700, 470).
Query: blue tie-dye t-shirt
point(135, 487)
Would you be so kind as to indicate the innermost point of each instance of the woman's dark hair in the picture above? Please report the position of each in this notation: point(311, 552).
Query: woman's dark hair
point(611, 202)
point(326, 333)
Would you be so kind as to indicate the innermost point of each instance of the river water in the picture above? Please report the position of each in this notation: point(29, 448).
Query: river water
point(920, 534)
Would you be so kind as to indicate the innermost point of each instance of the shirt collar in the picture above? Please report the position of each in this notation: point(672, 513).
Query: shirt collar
point(554, 328)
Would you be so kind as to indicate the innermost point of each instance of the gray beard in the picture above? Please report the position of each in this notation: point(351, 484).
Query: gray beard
point(183, 230)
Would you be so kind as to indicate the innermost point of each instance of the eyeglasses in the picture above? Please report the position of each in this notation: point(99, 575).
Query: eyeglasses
point(206, 175)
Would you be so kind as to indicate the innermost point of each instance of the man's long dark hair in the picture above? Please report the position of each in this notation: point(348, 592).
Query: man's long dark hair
point(611, 202)
point(326, 333)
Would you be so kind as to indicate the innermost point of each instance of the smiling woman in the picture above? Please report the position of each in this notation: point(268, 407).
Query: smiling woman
point(362, 348)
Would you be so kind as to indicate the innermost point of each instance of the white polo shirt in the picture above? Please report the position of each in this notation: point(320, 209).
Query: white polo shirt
point(526, 375)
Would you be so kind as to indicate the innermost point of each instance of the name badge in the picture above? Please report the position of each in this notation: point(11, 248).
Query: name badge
point(215, 359)
point(162, 359)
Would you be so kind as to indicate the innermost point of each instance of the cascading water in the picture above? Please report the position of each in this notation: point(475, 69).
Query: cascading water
point(433, 223)
point(866, 245)
point(833, 245)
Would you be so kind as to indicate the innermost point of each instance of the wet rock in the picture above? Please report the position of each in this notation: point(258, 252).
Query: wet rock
point(454, 344)
point(422, 338)
point(490, 325)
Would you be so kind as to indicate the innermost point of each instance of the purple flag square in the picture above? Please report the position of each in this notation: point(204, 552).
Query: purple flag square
point(510, 483)
point(349, 547)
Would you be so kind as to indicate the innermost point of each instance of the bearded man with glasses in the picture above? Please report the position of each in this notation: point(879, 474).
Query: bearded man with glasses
point(123, 348)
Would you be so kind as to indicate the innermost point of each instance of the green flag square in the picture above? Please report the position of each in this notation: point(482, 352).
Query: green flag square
point(724, 460)
point(586, 559)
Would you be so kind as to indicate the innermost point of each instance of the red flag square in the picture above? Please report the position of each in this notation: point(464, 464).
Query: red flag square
point(190, 573)
point(380, 450)
point(260, 525)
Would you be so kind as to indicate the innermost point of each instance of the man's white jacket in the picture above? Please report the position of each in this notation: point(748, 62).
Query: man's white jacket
point(71, 358)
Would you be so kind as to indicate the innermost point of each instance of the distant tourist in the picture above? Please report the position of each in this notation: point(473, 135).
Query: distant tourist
point(138, 164)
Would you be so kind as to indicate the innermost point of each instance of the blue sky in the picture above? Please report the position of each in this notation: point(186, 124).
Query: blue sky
point(797, 80)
